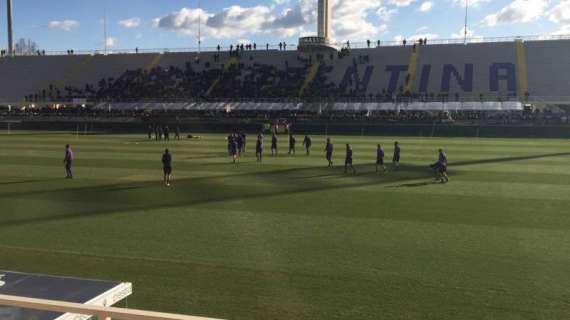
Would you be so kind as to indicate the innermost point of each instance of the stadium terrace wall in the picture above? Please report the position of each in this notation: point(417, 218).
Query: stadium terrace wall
point(499, 69)
point(300, 127)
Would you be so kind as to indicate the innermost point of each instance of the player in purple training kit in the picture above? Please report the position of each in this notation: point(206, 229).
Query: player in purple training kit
point(348, 161)
point(167, 167)
point(397, 151)
point(329, 148)
point(68, 160)
point(380, 158)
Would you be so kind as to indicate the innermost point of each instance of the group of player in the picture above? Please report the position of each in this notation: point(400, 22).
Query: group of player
point(162, 133)
point(237, 146)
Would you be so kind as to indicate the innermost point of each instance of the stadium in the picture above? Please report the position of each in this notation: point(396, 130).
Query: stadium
point(308, 180)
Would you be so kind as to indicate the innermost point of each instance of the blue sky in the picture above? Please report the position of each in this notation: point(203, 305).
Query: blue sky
point(77, 24)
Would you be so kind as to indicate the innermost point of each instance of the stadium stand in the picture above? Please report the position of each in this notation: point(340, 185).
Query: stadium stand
point(473, 72)
point(510, 81)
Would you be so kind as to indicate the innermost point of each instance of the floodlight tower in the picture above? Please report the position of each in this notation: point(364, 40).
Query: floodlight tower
point(10, 30)
point(324, 13)
point(322, 41)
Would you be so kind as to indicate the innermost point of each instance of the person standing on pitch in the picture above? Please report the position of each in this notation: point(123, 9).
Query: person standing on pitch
point(329, 148)
point(239, 140)
point(397, 152)
point(274, 145)
point(380, 158)
point(167, 167)
point(307, 142)
point(244, 141)
point(348, 160)
point(177, 133)
point(166, 133)
point(292, 142)
point(234, 150)
point(259, 148)
point(67, 160)
point(440, 167)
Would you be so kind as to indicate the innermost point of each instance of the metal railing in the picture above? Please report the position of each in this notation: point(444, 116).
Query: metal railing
point(292, 47)
point(102, 313)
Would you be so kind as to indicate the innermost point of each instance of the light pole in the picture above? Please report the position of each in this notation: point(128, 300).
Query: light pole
point(199, 26)
point(466, 21)
point(10, 30)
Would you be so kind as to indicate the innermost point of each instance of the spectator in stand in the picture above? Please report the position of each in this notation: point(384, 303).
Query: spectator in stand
point(368, 43)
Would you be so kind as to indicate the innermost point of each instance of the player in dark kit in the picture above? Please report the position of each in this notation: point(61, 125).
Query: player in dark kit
point(307, 142)
point(440, 167)
point(274, 145)
point(68, 160)
point(177, 133)
point(239, 141)
point(348, 160)
point(234, 150)
point(259, 148)
point(292, 142)
point(397, 152)
point(244, 141)
point(230, 142)
point(329, 148)
point(150, 132)
point(167, 167)
point(166, 133)
point(380, 158)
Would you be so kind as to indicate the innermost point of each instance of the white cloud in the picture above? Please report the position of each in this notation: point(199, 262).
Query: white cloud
point(471, 36)
point(386, 14)
point(422, 29)
point(236, 22)
point(66, 25)
point(562, 31)
point(401, 3)
point(111, 42)
point(472, 3)
point(560, 13)
point(426, 6)
point(354, 25)
point(130, 23)
point(518, 11)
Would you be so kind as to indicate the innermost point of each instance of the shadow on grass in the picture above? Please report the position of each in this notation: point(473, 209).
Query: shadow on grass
point(8, 183)
point(116, 198)
point(110, 199)
point(509, 159)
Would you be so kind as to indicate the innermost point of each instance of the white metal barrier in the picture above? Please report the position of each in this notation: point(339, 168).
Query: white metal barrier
point(102, 313)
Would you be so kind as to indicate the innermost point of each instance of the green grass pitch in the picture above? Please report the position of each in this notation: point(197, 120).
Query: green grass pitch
point(292, 239)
